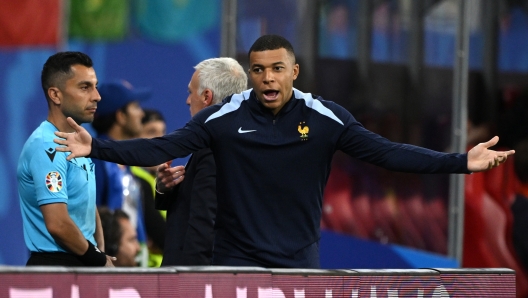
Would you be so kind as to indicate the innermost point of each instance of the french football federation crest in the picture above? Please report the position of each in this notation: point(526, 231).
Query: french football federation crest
point(54, 181)
point(303, 131)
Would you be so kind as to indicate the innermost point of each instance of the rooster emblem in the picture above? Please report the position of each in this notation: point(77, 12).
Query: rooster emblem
point(303, 130)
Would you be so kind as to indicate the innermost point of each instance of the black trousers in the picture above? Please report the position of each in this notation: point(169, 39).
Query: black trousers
point(53, 259)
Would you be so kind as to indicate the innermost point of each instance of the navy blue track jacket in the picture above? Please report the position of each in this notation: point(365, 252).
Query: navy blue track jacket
point(272, 169)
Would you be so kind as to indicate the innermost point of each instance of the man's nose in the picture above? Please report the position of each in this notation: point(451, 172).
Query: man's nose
point(97, 96)
point(268, 76)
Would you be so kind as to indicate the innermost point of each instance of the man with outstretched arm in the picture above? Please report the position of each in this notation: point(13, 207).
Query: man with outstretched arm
point(273, 147)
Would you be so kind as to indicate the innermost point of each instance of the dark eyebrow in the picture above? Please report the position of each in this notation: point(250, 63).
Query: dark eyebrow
point(85, 83)
point(273, 64)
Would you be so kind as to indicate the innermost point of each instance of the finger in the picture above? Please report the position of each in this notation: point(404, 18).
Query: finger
point(70, 157)
point(168, 173)
point(61, 134)
point(62, 149)
point(178, 180)
point(173, 177)
point(179, 168)
point(178, 173)
point(170, 184)
point(74, 124)
point(169, 163)
point(173, 180)
point(60, 141)
point(162, 167)
point(511, 152)
point(491, 142)
point(167, 180)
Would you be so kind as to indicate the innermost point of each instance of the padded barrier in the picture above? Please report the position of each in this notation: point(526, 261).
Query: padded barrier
point(243, 282)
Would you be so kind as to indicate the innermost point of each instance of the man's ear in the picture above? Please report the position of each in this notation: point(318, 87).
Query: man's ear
point(120, 117)
point(295, 71)
point(55, 95)
point(208, 97)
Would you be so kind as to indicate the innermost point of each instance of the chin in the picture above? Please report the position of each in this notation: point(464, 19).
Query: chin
point(273, 105)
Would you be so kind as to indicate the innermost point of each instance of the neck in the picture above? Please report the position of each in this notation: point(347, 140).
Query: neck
point(59, 121)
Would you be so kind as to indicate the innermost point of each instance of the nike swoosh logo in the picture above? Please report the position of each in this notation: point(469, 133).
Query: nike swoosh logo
point(244, 131)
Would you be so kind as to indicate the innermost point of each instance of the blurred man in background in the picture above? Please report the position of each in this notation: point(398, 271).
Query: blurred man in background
point(120, 237)
point(118, 117)
point(153, 126)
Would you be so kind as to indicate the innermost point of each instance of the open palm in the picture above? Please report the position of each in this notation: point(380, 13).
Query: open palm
point(79, 143)
point(481, 158)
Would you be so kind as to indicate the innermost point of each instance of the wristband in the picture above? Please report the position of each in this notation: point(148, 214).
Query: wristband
point(156, 187)
point(93, 256)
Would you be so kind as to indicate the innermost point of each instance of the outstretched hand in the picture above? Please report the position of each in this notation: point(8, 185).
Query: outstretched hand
point(480, 158)
point(79, 143)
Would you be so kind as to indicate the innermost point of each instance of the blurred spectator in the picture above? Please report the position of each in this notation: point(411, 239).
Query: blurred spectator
point(153, 126)
point(120, 237)
point(118, 117)
point(336, 34)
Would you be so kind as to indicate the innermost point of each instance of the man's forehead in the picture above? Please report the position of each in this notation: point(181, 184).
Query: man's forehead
point(195, 79)
point(81, 74)
point(270, 57)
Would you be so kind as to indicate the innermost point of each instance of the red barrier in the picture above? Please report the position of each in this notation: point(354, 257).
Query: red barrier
point(241, 282)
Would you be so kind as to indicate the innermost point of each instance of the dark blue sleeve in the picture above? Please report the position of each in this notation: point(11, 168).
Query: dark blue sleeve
point(151, 152)
point(367, 146)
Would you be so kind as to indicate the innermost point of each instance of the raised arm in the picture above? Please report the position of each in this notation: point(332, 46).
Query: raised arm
point(135, 152)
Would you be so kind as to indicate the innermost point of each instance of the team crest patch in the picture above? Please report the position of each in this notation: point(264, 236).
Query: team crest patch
point(303, 130)
point(54, 181)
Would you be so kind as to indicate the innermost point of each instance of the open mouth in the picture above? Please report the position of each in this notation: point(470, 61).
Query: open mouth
point(270, 94)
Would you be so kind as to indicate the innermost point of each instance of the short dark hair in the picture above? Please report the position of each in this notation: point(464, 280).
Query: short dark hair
point(152, 115)
point(520, 161)
point(57, 69)
point(272, 42)
point(112, 231)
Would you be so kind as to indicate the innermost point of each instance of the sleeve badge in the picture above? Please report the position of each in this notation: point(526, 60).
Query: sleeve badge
point(54, 181)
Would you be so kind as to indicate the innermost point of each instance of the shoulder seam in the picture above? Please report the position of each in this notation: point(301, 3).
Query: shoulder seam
point(231, 106)
point(316, 105)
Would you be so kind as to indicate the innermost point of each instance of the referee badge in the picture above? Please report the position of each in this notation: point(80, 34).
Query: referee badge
point(54, 181)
